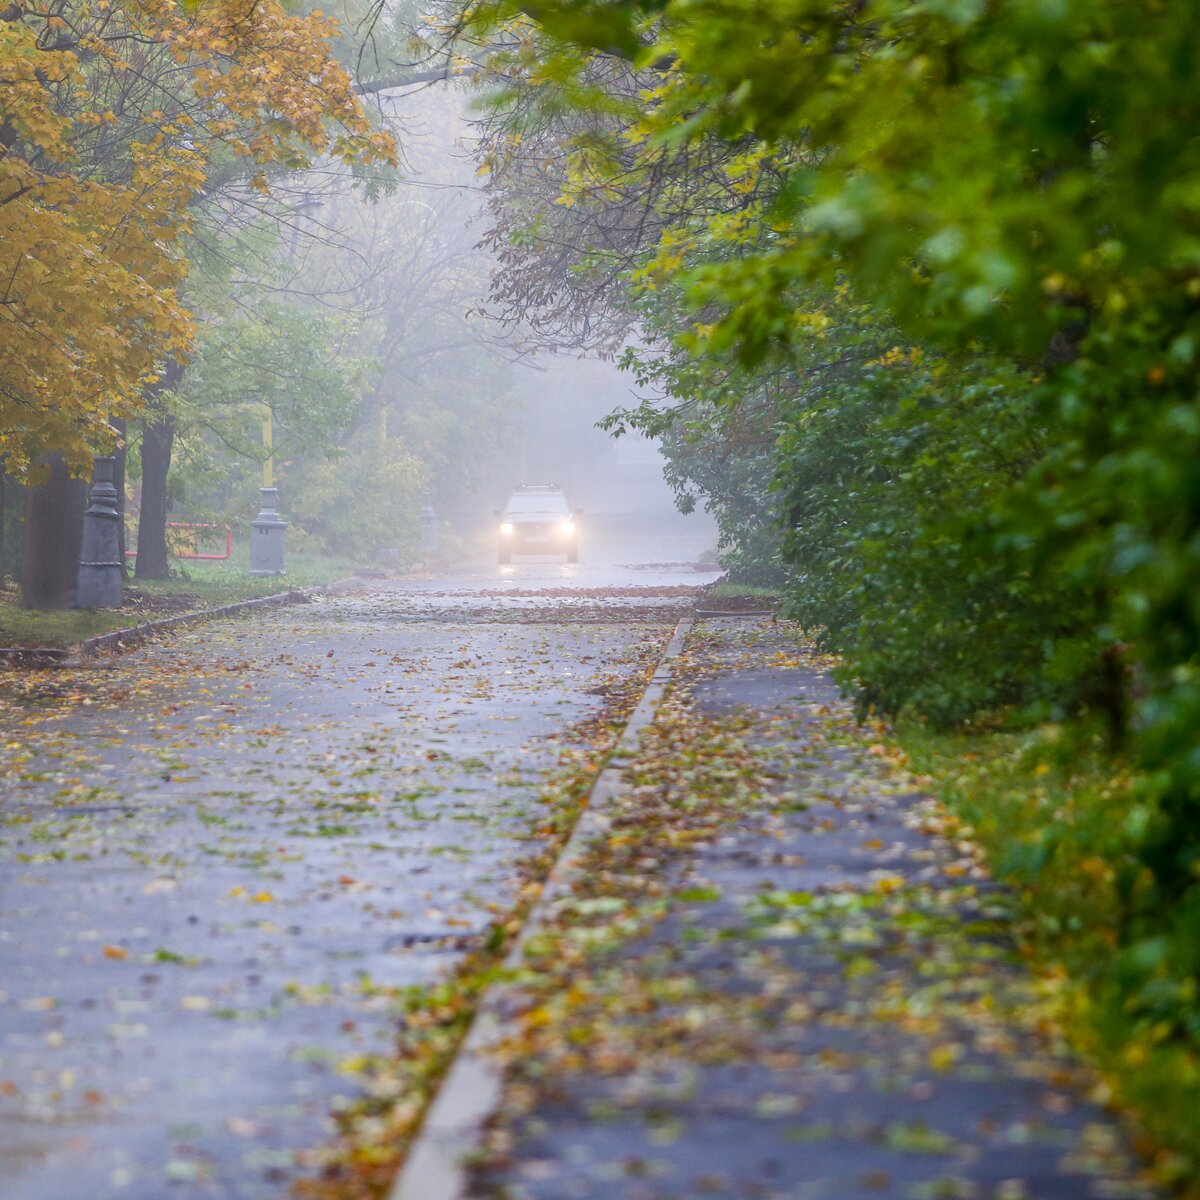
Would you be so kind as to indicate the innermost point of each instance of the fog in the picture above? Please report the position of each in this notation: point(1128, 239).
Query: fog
point(560, 402)
point(444, 404)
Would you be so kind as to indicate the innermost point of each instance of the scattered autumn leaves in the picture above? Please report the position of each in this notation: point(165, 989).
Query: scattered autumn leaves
point(375, 1130)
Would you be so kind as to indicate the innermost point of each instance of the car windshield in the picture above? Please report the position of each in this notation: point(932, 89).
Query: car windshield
point(554, 503)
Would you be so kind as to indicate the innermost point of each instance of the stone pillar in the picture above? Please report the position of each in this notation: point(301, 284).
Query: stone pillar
point(266, 536)
point(101, 571)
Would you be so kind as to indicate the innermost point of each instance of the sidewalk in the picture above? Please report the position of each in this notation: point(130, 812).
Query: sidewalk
point(785, 977)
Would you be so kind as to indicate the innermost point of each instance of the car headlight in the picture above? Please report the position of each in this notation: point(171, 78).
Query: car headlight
point(506, 527)
point(567, 527)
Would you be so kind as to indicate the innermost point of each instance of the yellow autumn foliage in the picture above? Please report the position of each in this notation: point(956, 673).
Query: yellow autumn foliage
point(111, 115)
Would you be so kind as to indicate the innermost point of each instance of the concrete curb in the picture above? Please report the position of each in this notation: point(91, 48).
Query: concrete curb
point(120, 640)
point(473, 1086)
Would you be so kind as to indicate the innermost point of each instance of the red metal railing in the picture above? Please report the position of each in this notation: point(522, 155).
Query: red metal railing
point(180, 553)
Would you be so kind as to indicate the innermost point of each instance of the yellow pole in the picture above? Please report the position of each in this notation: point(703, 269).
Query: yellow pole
point(268, 446)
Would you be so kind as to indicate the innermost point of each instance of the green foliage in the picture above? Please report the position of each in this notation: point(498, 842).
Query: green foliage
point(1056, 815)
point(724, 455)
point(1003, 520)
point(720, 455)
point(899, 474)
point(257, 352)
point(364, 499)
point(434, 377)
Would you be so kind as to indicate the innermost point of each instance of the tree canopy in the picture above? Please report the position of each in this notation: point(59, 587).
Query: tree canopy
point(115, 119)
point(969, 231)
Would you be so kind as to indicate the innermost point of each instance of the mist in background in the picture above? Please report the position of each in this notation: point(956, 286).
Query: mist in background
point(484, 409)
point(558, 402)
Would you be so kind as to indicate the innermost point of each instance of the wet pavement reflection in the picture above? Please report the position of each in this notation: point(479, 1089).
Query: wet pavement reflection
point(219, 852)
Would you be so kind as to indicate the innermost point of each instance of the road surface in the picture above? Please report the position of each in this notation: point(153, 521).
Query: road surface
point(220, 852)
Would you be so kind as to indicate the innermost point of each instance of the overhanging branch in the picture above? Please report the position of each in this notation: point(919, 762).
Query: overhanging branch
point(370, 86)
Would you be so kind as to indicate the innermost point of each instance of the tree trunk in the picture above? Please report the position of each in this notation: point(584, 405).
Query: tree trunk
point(158, 435)
point(3, 516)
point(53, 535)
point(121, 427)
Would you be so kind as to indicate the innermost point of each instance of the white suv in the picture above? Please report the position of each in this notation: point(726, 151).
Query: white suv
point(538, 520)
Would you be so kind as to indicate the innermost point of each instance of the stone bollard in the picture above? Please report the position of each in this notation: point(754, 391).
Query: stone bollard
point(266, 537)
point(101, 571)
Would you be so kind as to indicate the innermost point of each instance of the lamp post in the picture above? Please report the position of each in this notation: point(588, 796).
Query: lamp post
point(267, 530)
point(101, 570)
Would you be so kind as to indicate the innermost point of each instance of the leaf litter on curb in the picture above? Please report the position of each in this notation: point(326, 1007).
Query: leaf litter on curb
point(779, 938)
point(397, 1084)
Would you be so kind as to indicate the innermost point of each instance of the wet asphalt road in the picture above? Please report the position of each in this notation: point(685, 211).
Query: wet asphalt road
point(219, 852)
